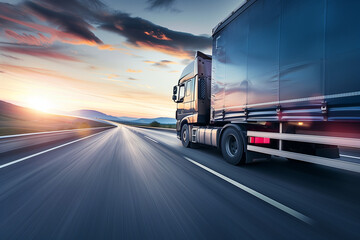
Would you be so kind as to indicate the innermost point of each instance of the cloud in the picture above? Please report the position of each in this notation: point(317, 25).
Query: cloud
point(158, 35)
point(66, 22)
point(42, 52)
point(28, 39)
point(109, 47)
point(54, 33)
point(141, 33)
point(167, 4)
point(133, 71)
point(113, 75)
point(161, 64)
point(92, 67)
point(75, 21)
point(81, 7)
point(12, 11)
point(63, 23)
point(11, 57)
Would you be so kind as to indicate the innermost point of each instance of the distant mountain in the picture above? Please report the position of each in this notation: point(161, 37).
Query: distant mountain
point(93, 114)
point(161, 120)
point(127, 119)
point(99, 115)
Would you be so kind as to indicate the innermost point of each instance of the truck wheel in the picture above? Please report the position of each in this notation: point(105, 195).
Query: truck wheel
point(232, 146)
point(185, 138)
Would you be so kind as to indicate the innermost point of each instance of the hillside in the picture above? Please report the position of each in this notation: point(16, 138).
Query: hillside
point(93, 114)
point(15, 119)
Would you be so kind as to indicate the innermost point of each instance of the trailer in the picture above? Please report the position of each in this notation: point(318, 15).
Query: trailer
point(283, 79)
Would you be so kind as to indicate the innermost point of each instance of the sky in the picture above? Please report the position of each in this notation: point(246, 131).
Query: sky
point(120, 57)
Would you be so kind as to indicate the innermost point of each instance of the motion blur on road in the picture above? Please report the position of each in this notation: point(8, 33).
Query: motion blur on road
point(136, 183)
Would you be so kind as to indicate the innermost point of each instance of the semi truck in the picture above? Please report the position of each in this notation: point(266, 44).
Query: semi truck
point(283, 79)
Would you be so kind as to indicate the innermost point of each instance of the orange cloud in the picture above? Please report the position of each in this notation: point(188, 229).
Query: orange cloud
point(54, 35)
point(40, 52)
point(159, 35)
point(176, 52)
point(59, 35)
point(133, 71)
point(113, 75)
point(147, 61)
point(119, 27)
point(28, 38)
point(111, 48)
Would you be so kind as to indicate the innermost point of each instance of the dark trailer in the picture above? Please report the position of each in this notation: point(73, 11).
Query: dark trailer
point(289, 60)
point(283, 79)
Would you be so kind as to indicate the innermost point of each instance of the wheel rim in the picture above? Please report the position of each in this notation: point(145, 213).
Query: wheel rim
point(231, 145)
point(184, 135)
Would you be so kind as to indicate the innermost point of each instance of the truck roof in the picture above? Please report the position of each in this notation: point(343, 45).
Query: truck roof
point(243, 6)
point(189, 70)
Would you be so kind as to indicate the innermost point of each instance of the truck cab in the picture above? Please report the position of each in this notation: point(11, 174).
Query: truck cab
point(192, 93)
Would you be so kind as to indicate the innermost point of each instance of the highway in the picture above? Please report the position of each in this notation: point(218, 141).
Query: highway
point(136, 183)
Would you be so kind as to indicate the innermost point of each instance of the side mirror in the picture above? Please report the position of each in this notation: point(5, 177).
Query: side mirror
point(175, 96)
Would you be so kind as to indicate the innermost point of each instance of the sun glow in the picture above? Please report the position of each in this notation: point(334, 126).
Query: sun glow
point(40, 103)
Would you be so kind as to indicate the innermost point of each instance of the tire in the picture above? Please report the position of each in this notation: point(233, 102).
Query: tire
point(185, 140)
point(232, 146)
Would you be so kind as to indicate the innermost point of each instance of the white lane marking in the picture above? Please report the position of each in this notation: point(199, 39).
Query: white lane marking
point(348, 156)
point(45, 151)
point(266, 199)
point(151, 139)
point(59, 131)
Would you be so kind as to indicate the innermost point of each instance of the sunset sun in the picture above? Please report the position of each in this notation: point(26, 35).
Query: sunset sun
point(40, 103)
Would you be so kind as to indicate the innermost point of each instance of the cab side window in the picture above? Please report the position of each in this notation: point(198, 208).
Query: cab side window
point(189, 89)
point(182, 92)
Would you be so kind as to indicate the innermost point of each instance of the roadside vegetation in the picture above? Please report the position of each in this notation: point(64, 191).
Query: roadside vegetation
point(153, 124)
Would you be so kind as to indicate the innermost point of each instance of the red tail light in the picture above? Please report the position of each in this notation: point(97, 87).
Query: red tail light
point(259, 140)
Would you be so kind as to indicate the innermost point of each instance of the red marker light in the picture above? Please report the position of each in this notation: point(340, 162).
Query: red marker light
point(259, 140)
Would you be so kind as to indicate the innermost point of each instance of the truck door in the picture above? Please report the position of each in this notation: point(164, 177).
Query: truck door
point(189, 97)
point(187, 106)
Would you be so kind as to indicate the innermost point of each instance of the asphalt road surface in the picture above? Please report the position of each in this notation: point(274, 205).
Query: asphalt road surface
point(134, 183)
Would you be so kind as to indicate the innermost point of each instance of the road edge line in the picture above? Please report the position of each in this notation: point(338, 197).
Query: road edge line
point(256, 194)
point(151, 139)
point(47, 150)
